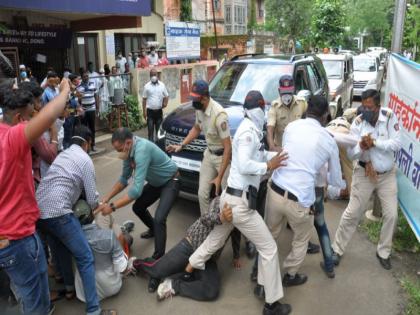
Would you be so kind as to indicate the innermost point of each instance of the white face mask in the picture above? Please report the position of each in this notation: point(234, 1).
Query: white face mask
point(154, 79)
point(286, 99)
point(257, 116)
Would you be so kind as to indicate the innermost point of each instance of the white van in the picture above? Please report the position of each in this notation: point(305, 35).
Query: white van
point(368, 73)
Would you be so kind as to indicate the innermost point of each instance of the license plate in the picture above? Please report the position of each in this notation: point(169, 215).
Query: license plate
point(187, 164)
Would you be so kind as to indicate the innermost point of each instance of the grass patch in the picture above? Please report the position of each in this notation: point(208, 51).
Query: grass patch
point(404, 238)
point(413, 291)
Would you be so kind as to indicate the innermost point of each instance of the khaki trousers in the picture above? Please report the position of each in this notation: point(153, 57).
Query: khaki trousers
point(346, 167)
point(280, 210)
point(210, 166)
point(252, 225)
point(361, 190)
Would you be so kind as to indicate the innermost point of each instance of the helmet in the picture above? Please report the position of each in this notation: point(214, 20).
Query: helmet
point(83, 212)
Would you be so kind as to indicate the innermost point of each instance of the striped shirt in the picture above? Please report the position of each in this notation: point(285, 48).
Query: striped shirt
point(71, 173)
point(88, 91)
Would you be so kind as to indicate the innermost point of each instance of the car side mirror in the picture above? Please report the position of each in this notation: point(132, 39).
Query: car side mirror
point(306, 94)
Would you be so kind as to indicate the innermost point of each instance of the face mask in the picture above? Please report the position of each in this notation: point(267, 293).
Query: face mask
point(257, 116)
point(369, 116)
point(153, 54)
point(23, 75)
point(197, 105)
point(154, 79)
point(124, 154)
point(286, 99)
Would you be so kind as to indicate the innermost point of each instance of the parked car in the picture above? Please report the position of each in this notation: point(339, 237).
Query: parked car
point(229, 87)
point(339, 68)
point(368, 73)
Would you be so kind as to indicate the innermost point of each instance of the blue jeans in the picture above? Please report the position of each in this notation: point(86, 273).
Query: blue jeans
point(322, 229)
point(25, 264)
point(67, 239)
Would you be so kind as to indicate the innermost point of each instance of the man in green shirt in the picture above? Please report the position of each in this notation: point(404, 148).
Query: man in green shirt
point(145, 162)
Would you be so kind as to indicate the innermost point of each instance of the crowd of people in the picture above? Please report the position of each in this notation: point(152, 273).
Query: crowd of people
point(52, 214)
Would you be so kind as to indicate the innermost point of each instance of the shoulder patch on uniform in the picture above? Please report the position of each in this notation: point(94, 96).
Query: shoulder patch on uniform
point(387, 112)
point(358, 120)
point(396, 127)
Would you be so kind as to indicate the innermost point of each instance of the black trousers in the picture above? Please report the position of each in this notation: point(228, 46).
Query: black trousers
point(206, 283)
point(166, 194)
point(154, 119)
point(89, 121)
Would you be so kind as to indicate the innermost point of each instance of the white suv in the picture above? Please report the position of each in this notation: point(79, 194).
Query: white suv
point(368, 73)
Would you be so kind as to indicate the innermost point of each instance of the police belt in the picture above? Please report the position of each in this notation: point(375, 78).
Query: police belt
point(216, 152)
point(282, 192)
point(363, 164)
point(236, 192)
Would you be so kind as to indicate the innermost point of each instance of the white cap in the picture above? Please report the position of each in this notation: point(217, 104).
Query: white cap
point(22, 67)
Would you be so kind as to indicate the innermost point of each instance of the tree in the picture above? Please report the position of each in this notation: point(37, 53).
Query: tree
point(186, 11)
point(328, 23)
point(289, 18)
point(252, 18)
point(412, 30)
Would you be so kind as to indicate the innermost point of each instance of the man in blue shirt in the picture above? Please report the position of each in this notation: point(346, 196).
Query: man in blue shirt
point(51, 90)
point(145, 162)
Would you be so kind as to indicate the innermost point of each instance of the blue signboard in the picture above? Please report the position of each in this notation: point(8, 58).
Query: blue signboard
point(115, 7)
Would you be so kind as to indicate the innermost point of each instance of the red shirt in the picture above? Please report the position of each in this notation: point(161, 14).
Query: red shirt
point(18, 208)
point(143, 63)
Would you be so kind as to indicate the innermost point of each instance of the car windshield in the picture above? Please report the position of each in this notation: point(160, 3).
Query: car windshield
point(234, 80)
point(334, 68)
point(364, 65)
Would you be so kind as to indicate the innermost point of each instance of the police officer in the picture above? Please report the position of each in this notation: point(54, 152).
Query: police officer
point(377, 129)
point(212, 120)
point(249, 163)
point(284, 110)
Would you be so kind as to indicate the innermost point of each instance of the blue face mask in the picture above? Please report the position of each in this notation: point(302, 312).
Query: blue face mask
point(23, 75)
point(369, 116)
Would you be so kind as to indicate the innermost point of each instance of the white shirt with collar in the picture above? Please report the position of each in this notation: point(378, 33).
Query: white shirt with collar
point(310, 147)
point(154, 94)
point(249, 159)
point(386, 133)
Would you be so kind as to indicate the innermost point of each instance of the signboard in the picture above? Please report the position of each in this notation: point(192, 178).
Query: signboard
point(182, 40)
point(116, 7)
point(403, 97)
point(36, 37)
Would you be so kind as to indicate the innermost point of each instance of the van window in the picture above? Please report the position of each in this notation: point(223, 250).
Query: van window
point(301, 81)
point(313, 78)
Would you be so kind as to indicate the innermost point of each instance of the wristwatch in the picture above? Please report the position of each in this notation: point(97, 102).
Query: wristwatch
point(112, 206)
point(183, 146)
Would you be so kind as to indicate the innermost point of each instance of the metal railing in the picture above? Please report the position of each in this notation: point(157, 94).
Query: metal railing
point(115, 81)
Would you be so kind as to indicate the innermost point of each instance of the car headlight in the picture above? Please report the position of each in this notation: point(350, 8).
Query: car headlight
point(161, 133)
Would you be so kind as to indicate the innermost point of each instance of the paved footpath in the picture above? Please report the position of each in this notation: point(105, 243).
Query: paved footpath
point(361, 286)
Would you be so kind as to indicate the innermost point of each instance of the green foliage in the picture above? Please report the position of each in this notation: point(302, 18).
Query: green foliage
point(290, 18)
point(186, 11)
point(252, 20)
point(135, 116)
point(412, 29)
point(404, 238)
point(412, 288)
point(328, 23)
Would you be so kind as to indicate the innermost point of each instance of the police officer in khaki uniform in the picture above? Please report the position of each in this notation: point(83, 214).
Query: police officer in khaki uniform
point(377, 129)
point(284, 110)
point(212, 120)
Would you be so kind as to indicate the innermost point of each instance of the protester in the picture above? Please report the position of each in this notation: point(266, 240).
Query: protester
point(103, 96)
point(249, 163)
point(90, 101)
point(144, 161)
point(291, 192)
point(74, 109)
point(107, 69)
point(50, 91)
point(153, 57)
point(163, 61)
point(121, 60)
point(378, 132)
point(143, 61)
point(19, 210)
point(155, 99)
point(130, 61)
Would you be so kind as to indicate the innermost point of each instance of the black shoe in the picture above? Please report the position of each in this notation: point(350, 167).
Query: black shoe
point(254, 274)
point(259, 292)
point(153, 285)
point(336, 258)
point(385, 263)
point(312, 248)
point(277, 309)
point(250, 249)
point(148, 234)
point(298, 279)
point(330, 274)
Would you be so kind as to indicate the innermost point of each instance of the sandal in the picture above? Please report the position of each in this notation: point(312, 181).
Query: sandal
point(56, 295)
point(108, 312)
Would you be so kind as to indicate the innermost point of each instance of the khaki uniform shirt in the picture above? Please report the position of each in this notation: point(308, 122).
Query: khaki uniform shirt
point(214, 124)
point(280, 115)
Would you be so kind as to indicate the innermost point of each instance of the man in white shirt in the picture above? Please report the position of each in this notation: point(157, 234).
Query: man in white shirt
point(155, 98)
point(153, 57)
point(378, 132)
point(249, 162)
point(291, 191)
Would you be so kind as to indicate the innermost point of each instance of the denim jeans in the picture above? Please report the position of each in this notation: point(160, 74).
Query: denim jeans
point(25, 264)
point(67, 239)
point(322, 229)
point(167, 194)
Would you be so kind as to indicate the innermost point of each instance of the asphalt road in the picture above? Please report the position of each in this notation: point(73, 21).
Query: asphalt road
point(361, 286)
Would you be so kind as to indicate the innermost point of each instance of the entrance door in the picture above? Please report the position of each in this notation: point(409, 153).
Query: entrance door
point(85, 49)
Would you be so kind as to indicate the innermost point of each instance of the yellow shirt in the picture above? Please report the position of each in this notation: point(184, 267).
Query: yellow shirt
point(280, 115)
point(214, 124)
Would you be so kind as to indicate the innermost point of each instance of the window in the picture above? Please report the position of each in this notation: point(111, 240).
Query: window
point(228, 29)
point(228, 14)
point(313, 78)
point(301, 79)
